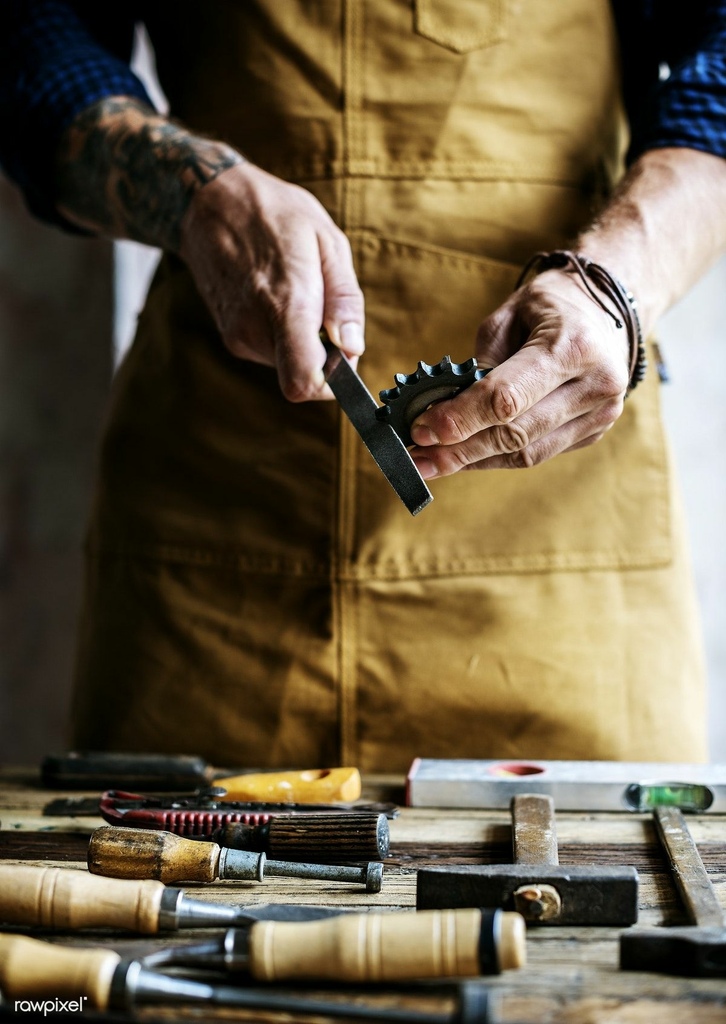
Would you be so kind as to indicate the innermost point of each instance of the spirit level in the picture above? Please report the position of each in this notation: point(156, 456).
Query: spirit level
point(574, 785)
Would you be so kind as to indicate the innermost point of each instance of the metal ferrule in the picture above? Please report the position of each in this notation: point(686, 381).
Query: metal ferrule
point(144, 987)
point(197, 914)
point(243, 864)
point(237, 949)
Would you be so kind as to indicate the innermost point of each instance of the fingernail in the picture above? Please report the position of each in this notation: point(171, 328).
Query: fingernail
point(421, 434)
point(351, 338)
point(426, 468)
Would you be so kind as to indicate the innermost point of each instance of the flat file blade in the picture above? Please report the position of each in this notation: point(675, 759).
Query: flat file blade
point(380, 439)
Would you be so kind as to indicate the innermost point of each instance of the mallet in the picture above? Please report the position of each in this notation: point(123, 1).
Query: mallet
point(697, 950)
point(536, 885)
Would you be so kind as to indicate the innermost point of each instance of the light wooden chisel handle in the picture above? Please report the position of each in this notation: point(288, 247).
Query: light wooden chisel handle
point(69, 899)
point(139, 853)
point(388, 947)
point(30, 968)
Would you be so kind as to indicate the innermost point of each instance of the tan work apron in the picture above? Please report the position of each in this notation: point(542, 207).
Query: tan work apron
point(256, 593)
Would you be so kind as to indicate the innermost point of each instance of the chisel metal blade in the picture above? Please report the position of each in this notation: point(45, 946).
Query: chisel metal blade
point(380, 439)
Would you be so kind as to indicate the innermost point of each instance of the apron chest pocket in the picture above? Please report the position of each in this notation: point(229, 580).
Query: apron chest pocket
point(462, 25)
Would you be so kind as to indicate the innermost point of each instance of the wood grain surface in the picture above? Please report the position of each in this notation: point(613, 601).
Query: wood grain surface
point(572, 974)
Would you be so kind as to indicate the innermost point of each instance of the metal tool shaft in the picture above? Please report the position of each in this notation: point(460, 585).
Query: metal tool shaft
point(246, 864)
point(134, 986)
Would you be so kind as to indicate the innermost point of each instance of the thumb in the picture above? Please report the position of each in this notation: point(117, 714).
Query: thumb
point(343, 304)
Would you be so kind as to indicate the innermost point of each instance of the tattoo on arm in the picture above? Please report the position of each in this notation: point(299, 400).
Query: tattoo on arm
point(125, 171)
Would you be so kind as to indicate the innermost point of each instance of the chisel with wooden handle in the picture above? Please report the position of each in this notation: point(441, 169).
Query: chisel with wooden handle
point(68, 899)
point(404, 944)
point(100, 980)
point(394, 946)
point(138, 853)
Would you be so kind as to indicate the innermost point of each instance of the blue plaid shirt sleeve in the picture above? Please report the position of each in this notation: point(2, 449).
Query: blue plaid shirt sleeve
point(52, 67)
point(57, 57)
point(674, 74)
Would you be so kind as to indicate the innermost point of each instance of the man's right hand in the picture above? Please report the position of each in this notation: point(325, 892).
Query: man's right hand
point(273, 267)
point(267, 258)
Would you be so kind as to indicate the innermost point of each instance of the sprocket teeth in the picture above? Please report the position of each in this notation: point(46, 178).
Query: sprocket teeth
point(415, 391)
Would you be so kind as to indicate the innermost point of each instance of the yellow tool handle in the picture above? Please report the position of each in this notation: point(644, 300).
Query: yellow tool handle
point(381, 947)
point(30, 968)
point(316, 785)
point(69, 899)
point(140, 853)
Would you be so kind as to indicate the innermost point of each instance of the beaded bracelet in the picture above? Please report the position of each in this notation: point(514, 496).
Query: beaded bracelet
point(608, 284)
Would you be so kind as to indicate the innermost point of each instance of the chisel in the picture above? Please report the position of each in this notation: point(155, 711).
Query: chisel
point(69, 899)
point(354, 946)
point(99, 979)
point(394, 946)
point(137, 853)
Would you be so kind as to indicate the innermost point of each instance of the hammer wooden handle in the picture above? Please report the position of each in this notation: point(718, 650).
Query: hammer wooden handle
point(140, 853)
point(382, 947)
point(32, 968)
point(70, 899)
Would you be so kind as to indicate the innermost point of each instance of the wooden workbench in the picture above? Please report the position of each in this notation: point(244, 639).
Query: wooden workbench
point(572, 975)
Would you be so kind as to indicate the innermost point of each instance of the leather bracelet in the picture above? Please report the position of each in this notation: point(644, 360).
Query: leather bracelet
point(623, 300)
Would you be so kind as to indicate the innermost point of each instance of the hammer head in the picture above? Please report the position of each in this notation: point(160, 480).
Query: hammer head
point(688, 951)
point(588, 895)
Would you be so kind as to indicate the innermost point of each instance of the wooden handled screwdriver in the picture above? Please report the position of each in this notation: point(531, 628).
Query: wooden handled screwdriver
point(30, 968)
point(137, 853)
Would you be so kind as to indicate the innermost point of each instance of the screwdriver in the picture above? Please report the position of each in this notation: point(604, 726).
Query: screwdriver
point(137, 853)
point(31, 968)
point(348, 836)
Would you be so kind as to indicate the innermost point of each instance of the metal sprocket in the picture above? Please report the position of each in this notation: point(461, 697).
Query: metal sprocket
point(416, 391)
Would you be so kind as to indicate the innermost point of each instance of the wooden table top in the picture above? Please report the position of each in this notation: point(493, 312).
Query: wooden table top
point(572, 974)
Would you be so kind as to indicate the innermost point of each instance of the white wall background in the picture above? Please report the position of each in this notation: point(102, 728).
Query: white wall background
point(693, 339)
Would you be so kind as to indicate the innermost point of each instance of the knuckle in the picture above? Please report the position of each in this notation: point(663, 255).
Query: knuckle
point(580, 348)
point(510, 437)
point(525, 458)
point(610, 382)
point(609, 412)
point(298, 389)
point(507, 402)
point(452, 461)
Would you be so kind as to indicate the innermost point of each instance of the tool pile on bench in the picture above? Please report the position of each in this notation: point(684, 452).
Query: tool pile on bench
point(174, 821)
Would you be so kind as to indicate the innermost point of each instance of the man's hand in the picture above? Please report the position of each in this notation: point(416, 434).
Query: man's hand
point(273, 267)
point(561, 365)
point(561, 372)
point(268, 260)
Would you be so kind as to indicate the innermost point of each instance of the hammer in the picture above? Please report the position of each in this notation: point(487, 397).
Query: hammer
point(697, 950)
point(536, 885)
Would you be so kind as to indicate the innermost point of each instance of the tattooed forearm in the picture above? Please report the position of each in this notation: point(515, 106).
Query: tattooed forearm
point(125, 171)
